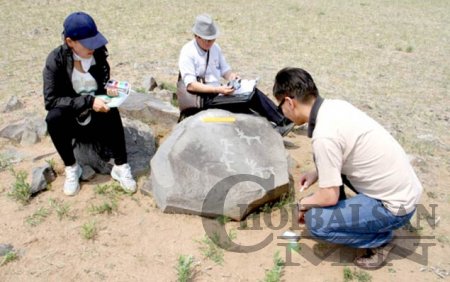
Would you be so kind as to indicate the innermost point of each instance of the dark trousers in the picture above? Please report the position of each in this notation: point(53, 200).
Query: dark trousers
point(104, 129)
point(259, 103)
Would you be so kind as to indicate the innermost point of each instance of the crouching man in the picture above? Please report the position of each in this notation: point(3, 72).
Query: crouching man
point(349, 146)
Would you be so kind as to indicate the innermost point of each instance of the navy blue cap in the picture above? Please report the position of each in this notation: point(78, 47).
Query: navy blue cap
point(80, 26)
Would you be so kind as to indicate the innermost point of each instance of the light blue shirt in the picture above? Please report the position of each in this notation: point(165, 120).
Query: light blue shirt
point(192, 63)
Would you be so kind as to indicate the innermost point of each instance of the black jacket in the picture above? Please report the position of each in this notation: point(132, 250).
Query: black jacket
point(58, 88)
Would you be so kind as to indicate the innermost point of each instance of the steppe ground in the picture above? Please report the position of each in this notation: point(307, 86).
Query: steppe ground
point(389, 58)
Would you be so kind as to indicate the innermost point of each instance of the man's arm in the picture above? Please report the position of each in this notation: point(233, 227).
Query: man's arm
point(324, 197)
point(198, 87)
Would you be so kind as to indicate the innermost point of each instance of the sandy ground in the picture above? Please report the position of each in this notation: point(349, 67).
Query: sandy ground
point(389, 59)
point(138, 242)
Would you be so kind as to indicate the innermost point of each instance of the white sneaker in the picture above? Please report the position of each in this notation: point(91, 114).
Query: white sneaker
point(122, 173)
point(72, 184)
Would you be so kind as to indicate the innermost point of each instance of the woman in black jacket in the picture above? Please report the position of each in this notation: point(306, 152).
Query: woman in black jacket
point(74, 74)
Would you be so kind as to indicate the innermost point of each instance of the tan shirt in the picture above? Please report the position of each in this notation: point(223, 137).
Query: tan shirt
point(347, 141)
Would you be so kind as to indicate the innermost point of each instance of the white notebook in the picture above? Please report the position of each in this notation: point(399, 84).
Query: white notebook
point(247, 86)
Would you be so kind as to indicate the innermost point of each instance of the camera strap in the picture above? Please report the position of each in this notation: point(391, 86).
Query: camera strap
point(202, 78)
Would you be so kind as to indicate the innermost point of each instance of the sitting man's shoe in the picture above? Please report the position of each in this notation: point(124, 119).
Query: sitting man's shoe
point(122, 173)
point(284, 129)
point(72, 183)
point(374, 258)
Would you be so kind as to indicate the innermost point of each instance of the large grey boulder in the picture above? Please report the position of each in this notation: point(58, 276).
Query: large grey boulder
point(26, 132)
point(149, 109)
point(219, 163)
point(140, 143)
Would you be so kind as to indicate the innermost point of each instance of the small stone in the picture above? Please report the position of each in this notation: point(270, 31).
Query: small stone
point(12, 105)
point(29, 137)
point(152, 84)
point(88, 173)
point(290, 236)
point(5, 248)
point(42, 176)
point(26, 132)
point(146, 188)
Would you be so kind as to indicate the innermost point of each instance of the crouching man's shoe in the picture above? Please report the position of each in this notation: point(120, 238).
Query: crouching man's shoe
point(283, 130)
point(122, 173)
point(374, 258)
point(72, 182)
point(284, 127)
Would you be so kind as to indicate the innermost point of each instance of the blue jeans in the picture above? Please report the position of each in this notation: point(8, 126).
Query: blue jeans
point(358, 222)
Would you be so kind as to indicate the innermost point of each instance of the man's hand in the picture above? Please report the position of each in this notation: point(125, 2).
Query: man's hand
point(100, 106)
point(307, 180)
point(301, 217)
point(231, 75)
point(225, 90)
point(302, 209)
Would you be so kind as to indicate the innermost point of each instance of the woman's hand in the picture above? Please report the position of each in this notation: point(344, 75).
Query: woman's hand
point(100, 106)
point(112, 92)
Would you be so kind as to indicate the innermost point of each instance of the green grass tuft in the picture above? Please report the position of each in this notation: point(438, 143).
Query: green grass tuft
point(37, 217)
point(185, 268)
point(107, 207)
point(362, 276)
point(169, 86)
point(432, 195)
point(62, 210)
point(284, 200)
point(51, 163)
point(409, 227)
point(101, 189)
point(111, 190)
point(89, 230)
point(111, 193)
point(358, 275)
point(443, 239)
point(274, 275)
point(223, 219)
point(9, 257)
point(348, 274)
point(140, 90)
point(5, 162)
point(211, 249)
point(21, 189)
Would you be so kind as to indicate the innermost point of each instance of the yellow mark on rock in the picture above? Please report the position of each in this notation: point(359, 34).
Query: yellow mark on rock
point(219, 119)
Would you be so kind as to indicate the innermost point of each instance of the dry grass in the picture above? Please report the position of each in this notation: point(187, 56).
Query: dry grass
point(389, 58)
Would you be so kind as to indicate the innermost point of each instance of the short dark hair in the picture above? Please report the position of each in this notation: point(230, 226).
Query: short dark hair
point(295, 83)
